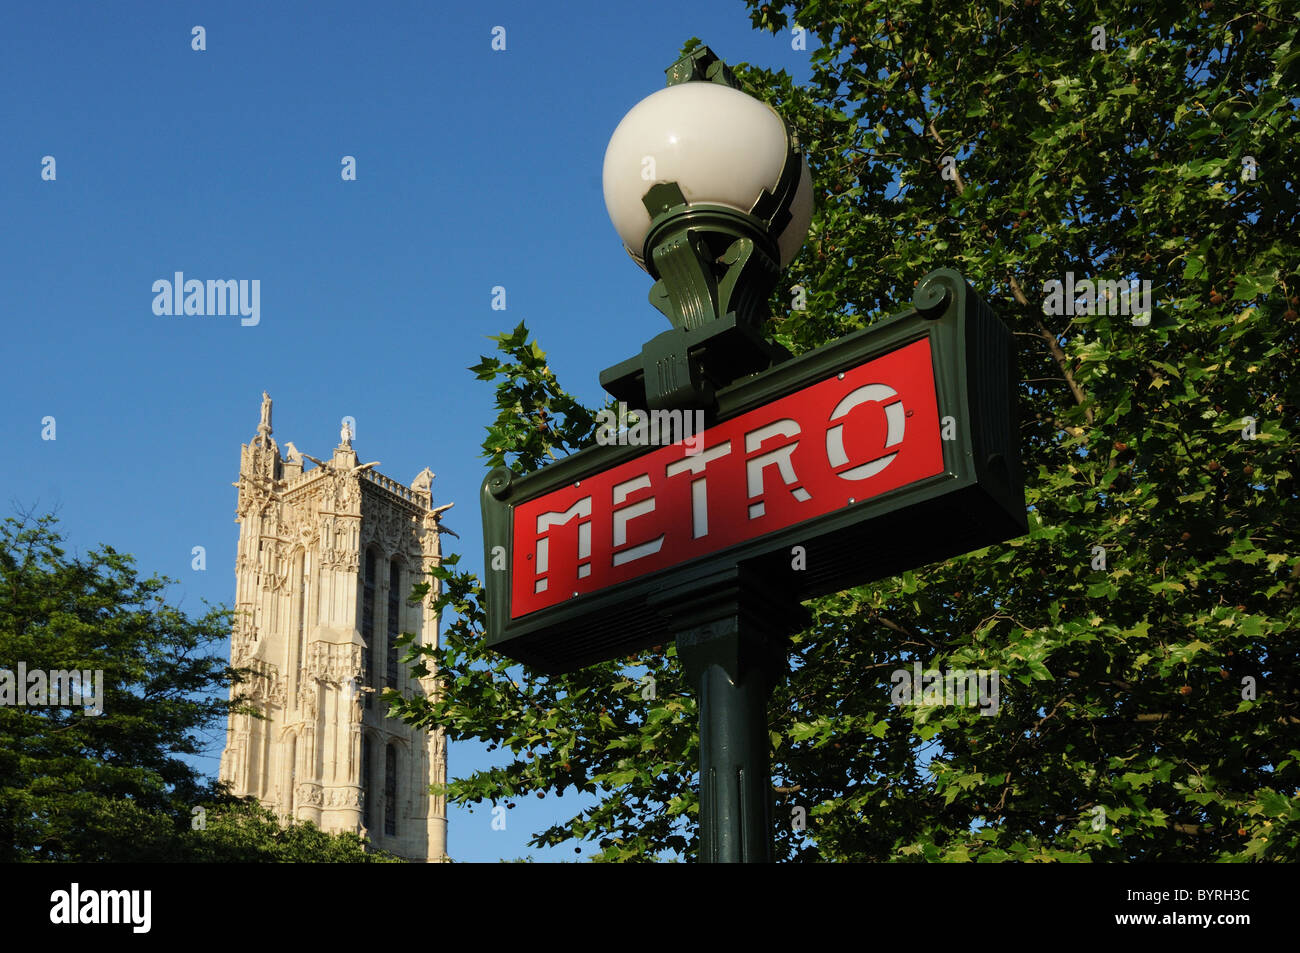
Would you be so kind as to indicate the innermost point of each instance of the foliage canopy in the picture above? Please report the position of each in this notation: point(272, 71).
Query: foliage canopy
point(1149, 708)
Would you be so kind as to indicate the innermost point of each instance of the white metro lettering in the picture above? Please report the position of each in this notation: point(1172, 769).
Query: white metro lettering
point(582, 510)
point(894, 417)
point(839, 442)
point(699, 488)
point(630, 512)
point(755, 466)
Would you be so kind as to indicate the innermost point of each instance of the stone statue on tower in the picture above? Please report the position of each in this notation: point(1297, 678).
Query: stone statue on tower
point(265, 425)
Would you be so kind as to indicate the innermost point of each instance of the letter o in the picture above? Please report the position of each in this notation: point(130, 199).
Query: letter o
point(895, 417)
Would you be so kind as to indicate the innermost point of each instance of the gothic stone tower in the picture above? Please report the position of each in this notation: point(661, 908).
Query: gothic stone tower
point(327, 558)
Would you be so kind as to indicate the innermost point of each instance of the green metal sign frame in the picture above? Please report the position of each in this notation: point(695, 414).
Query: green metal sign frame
point(975, 501)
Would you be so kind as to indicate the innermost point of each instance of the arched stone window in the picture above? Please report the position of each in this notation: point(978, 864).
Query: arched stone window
point(300, 577)
point(291, 756)
point(390, 790)
point(367, 800)
point(394, 622)
point(368, 622)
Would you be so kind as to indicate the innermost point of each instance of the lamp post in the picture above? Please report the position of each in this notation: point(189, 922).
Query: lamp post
point(712, 196)
point(888, 448)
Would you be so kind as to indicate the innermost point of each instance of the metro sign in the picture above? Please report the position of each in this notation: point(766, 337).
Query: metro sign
point(889, 448)
point(853, 436)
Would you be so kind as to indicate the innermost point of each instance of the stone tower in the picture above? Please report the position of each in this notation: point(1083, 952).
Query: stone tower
point(327, 558)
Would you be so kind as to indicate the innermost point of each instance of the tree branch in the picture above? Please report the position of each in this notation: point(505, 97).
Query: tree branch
point(1058, 355)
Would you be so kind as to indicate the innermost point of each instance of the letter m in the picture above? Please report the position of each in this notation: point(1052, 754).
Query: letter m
point(61, 685)
point(119, 901)
point(223, 296)
point(546, 522)
point(1109, 292)
point(965, 686)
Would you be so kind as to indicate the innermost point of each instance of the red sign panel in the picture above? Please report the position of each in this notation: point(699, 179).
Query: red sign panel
point(838, 442)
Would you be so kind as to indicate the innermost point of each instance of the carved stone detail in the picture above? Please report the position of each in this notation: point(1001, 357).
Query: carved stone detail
point(265, 685)
point(243, 641)
point(334, 663)
point(307, 693)
point(343, 797)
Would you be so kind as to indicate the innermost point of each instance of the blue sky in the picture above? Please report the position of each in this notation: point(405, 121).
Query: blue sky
point(475, 168)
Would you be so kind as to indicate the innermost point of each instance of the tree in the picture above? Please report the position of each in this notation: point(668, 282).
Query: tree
point(76, 786)
point(249, 833)
point(1145, 629)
